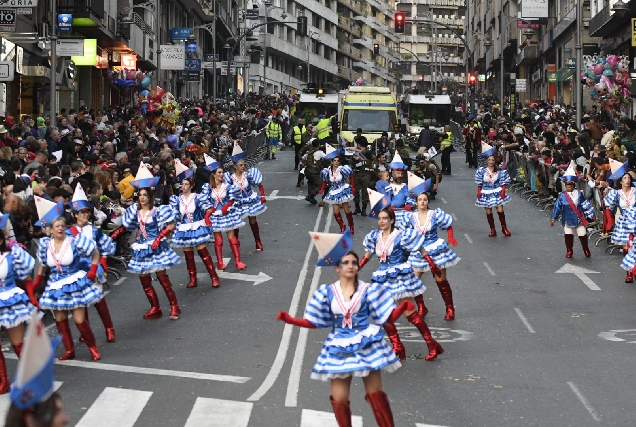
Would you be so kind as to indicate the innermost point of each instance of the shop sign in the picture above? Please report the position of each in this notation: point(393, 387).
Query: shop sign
point(633, 32)
point(534, 9)
point(172, 57)
point(536, 76)
point(180, 33)
point(65, 23)
point(570, 63)
point(7, 71)
point(553, 76)
point(18, 3)
point(7, 20)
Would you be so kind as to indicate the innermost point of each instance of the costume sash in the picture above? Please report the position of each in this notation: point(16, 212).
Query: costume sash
point(575, 209)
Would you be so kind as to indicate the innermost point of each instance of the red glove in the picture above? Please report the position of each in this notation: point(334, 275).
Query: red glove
point(503, 192)
point(362, 262)
point(227, 206)
point(296, 321)
point(434, 269)
point(353, 186)
point(92, 273)
point(479, 191)
point(322, 187)
point(104, 262)
point(451, 237)
point(115, 234)
point(397, 312)
point(552, 223)
point(161, 235)
point(262, 191)
point(408, 208)
point(30, 288)
point(208, 214)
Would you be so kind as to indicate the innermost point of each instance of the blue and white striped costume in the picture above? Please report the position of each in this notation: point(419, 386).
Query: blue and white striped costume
point(355, 346)
point(394, 273)
point(436, 247)
point(217, 198)
point(190, 212)
point(104, 244)
point(399, 196)
point(15, 307)
point(340, 189)
point(491, 187)
point(144, 259)
point(68, 287)
point(249, 202)
point(568, 217)
point(616, 199)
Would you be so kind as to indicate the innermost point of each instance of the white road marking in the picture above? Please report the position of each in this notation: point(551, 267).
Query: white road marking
point(119, 281)
point(286, 198)
point(256, 278)
point(273, 193)
point(310, 418)
point(115, 407)
point(443, 200)
point(490, 270)
point(468, 238)
point(208, 412)
point(293, 385)
point(454, 216)
point(146, 371)
point(581, 273)
point(524, 320)
point(584, 401)
point(427, 425)
point(274, 371)
point(5, 402)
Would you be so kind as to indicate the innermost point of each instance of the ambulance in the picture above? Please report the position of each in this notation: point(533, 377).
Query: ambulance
point(433, 110)
point(374, 109)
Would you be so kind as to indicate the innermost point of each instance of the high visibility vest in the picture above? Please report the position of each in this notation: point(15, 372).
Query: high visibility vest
point(447, 141)
point(323, 128)
point(273, 130)
point(298, 136)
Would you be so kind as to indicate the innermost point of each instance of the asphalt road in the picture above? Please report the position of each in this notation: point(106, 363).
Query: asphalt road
point(529, 347)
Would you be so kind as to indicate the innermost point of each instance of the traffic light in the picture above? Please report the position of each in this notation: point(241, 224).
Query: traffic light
point(421, 79)
point(472, 80)
point(376, 49)
point(302, 26)
point(400, 18)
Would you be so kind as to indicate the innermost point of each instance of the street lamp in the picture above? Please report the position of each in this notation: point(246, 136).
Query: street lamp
point(211, 28)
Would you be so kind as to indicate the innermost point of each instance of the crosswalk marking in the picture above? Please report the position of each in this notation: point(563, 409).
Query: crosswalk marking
point(209, 412)
point(5, 402)
point(310, 418)
point(427, 425)
point(115, 407)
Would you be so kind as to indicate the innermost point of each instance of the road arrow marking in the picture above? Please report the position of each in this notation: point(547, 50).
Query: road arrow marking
point(256, 278)
point(580, 272)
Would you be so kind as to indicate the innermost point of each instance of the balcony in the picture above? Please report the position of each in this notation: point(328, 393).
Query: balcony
point(364, 41)
point(606, 23)
point(353, 5)
point(347, 73)
point(91, 9)
point(529, 55)
point(349, 25)
point(291, 51)
point(349, 50)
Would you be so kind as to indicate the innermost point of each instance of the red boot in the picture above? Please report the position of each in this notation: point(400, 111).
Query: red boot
point(381, 408)
point(586, 248)
point(342, 411)
point(17, 348)
point(257, 236)
point(340, 222)
point(434, 348)
point(502, 220)
point(155, 309)
point(175, 311)
point(569, 244)
point(89, 338)
point(630, 276)
point(236, 251)
point(104, 314)
point(491, 223)
point(192, 269)
point(67, 339)
point(398, 347)
point(5, 384)
point(447, 296)
point(421, 307)
point(218, 248)
point(209, 264)
point(350, 220)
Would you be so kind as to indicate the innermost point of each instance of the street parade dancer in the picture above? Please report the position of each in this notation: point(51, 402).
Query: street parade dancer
point(192, 231)
point(620, 199)
point(69, 286)
point(105, 246)
point(390, 245)
point(250, 204)
point(223, 215)
point(396, 190)
point(426, 222)
point(150, 252)
point(341, 187)
point(491, 189)
point(575, 212)
point(355, 347)
point(15, 307)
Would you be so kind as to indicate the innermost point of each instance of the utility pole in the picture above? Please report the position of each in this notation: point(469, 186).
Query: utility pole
point(53, 98)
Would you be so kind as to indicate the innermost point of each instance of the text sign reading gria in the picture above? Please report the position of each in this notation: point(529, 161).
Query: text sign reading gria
point(18, 3)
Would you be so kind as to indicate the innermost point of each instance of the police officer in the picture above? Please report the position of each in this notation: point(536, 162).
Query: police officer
point(274, 132)
point(447, 147)
point(362, 172)
point(311, 157)
point(298, 141)
point(322, 128)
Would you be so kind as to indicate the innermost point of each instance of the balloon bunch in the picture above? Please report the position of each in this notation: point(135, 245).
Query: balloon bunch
point(609, 81)
point(359, 82)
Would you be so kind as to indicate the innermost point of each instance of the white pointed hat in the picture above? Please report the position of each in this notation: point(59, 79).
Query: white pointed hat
point(378, 201)
point(47, 211)
point(397, 163)
point(487, 150)
point(80, 201)
point(144, 178)
point(331, 247)
point(182, 171)
point(211, 164)
point(330, 152)
point(237, 153)
point(570, 174)
point(618, 169)
point(58, 155)
point(418, 185)
point(35, 379)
